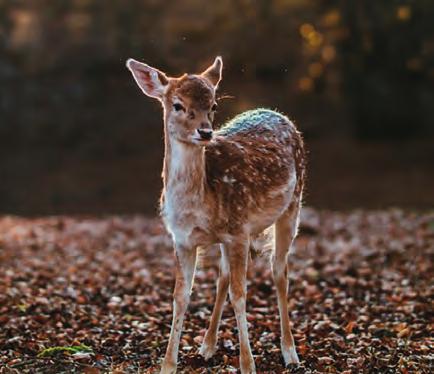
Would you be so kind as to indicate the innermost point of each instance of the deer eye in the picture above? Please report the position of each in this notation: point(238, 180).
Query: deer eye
point(214, 107)
point(178, 107)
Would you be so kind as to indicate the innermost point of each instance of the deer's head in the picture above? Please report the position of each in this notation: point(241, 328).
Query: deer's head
point(188, 101)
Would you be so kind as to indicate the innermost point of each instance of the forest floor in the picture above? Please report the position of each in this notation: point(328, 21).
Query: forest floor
point(94, 295)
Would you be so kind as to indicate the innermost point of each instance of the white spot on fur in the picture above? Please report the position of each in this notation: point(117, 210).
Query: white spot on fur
point(228, 179)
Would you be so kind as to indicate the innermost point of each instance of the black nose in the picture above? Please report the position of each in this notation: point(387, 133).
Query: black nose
point(205, 134)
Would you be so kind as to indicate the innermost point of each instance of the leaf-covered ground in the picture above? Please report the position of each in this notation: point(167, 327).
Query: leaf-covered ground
point(93, 295)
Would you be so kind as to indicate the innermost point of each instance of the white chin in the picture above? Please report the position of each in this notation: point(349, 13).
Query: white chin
point(200, 141)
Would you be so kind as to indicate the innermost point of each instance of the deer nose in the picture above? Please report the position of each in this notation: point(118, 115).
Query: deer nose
point(205, 134)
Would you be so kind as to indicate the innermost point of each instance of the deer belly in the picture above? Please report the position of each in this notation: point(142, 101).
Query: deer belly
point(274, 204)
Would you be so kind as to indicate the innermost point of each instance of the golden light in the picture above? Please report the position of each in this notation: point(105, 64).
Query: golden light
point(403, 13)
point(26, 28)
point(305, 84)
point(331, 18)
point(315, 70)
point(315, 39)
point(306, 29)
point(328, 53)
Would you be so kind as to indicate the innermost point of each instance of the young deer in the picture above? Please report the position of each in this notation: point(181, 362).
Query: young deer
point(224, 187)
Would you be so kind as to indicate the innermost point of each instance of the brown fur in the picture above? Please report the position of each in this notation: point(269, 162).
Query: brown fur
point(257, 169)
point(197, 90)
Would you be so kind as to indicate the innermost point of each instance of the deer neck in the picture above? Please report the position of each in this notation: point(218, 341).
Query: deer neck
point(184, 166)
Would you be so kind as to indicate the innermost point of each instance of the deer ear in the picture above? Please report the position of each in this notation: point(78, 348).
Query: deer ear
point(214, 72)
point(152, 81)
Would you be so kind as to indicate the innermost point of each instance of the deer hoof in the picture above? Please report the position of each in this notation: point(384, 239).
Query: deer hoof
point(168, 368)
point(290, 355)
point(207, 350)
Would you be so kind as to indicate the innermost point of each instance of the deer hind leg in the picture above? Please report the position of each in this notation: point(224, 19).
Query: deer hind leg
point(185, 267)
point(236, 255)
point(209, 344)
point(285, 232)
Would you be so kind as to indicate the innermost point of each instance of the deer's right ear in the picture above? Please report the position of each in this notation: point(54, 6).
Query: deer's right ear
point(152, 81)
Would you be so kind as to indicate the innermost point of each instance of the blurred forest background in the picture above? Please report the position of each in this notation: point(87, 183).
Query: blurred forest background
point(77, 135)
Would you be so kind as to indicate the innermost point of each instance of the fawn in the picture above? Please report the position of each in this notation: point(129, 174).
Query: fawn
point(224, 187)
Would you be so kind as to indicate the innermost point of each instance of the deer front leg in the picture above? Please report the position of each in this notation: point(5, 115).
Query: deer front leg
point(185, 267)
point(237, 256)
point(209, 344)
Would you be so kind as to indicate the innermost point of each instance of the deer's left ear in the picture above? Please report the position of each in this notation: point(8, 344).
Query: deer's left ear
point(152, 81)
point(214, 72)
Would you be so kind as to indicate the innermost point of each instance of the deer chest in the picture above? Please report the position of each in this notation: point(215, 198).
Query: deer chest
point(186, 218)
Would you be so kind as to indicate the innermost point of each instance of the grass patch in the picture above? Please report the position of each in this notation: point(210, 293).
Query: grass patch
point(82, 348)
